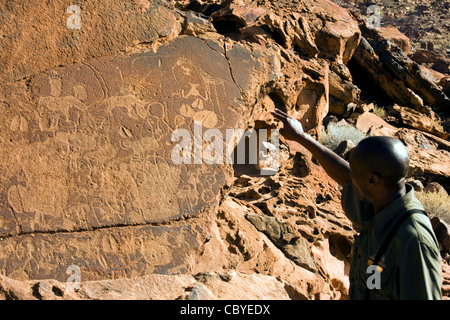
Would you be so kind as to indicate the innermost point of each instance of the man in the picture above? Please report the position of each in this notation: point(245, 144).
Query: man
point(375, 197)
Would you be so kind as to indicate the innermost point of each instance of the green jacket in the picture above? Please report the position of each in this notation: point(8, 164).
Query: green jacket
point(411, 263)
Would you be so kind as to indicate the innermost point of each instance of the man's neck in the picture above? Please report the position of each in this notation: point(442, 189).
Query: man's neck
point(388, 196)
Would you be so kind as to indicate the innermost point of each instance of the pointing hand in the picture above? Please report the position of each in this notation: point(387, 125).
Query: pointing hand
point(292, 128)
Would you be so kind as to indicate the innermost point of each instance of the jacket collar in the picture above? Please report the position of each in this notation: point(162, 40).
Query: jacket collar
point(394, 210)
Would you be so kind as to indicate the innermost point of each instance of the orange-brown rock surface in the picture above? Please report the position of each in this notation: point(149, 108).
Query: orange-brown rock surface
point(86, 161)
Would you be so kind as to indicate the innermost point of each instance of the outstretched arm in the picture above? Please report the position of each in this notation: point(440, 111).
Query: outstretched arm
point(336, 167)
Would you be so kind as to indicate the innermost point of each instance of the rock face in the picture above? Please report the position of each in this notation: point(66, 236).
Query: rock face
point(425, 23)
point(105, 28)
point(394, 35)
point(99, 133)
point(401, 78)
point(115, 133)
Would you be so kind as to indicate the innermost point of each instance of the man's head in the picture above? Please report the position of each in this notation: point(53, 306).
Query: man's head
point(379, 164)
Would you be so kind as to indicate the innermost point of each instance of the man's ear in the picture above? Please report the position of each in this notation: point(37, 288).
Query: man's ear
point(374, 178)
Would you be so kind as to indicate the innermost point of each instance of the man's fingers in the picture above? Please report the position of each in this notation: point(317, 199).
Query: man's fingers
point(280, 112)
point(278, 116)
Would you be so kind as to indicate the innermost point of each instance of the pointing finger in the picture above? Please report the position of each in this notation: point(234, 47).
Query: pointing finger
point(280, 114)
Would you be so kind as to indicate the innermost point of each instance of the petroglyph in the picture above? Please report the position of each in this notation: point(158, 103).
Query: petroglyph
point(80, 92)
point(19, 123)
point(55, 86)
point(94, 143)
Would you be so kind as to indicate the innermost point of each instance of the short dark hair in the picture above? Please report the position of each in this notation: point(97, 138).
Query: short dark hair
point(385, 156)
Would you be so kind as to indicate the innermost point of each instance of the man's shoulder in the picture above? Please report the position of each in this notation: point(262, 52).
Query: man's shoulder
point(417, 231)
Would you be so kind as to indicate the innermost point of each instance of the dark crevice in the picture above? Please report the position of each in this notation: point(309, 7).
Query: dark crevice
point(370, 90)
point(226, 27)
point(204, 8)
point(278, 101)
point(278, 38)
point(301, 53)
point(340, 246)
point(57, 291)
point(35, 291)
point(93, 229)
point(231, 69)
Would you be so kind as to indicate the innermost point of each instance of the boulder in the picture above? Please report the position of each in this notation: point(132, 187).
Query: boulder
point(366, 57)
point(434, 187)
point(432, 59)
point(342, 89)
point(336, 37)
point(412, 118)
point(429, 155)
point(400, 78)
point(444, 82)
point(368, 121)
point(285, 237)
point(394, 35)
point(442, 231)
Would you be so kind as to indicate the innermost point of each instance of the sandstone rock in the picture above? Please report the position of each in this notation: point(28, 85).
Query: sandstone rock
point(442, 231)
point(364, 107)
point(236, 244)
point(315, 92)
point(367, 59)
point(393, 34)
point(400, 77)
point(342, 89)
point(415, 119)
point(429, 164)
point(99, 132)
point(286, 239)
point(199, 292)
point(429, 154)
point(432, 59)
point(336, 37)
point(337, 269)
point(151, 287)
point(368, 121)
point(241, 15)
point(434, 187)
point(196, 25)
point(416, 184)
point(306, 27)
point(50, 43)
point(445, 84)
point(231, 285)
point(203, 286)
point(445, 280)
point(11, 289)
